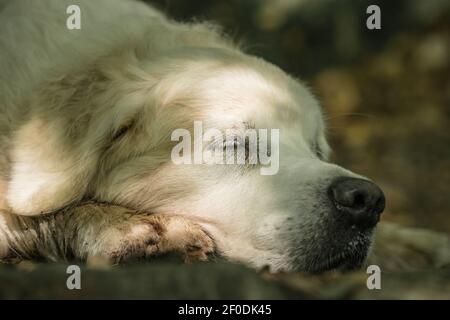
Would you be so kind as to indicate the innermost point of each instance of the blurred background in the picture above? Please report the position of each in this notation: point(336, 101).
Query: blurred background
point(386, 93)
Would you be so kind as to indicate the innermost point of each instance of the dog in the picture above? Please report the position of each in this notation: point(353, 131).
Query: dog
point(85, 146)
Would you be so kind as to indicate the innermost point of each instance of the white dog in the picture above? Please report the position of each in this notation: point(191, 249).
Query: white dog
point(85, 144)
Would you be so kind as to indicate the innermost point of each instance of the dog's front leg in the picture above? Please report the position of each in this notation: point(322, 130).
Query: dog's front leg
point(119, 234)
point(106, 231)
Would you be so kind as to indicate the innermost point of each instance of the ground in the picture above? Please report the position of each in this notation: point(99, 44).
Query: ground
point(219, 280)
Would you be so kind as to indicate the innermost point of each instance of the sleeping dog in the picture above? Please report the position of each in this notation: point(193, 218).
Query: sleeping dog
point(87, 117)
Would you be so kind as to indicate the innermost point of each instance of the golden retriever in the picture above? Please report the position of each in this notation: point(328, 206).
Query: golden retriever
point(86, 146)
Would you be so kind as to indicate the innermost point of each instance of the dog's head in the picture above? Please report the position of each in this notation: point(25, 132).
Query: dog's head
point(108, 134)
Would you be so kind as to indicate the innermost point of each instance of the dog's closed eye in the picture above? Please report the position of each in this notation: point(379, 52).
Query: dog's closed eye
point(317, 151)
point(122, 130)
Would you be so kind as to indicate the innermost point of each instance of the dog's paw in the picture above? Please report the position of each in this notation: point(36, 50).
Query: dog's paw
point(188, 238)
point(135, 238)
point(144, 236)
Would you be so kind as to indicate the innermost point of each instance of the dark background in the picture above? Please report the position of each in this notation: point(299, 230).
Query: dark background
point(386, 93)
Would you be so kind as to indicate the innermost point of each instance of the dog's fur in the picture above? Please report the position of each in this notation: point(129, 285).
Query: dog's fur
point(87, 115)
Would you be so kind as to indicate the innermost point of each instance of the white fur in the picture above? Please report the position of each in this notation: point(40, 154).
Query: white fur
point(65, 92)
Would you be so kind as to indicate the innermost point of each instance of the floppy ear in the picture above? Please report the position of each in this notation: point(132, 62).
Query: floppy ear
point(55, 150)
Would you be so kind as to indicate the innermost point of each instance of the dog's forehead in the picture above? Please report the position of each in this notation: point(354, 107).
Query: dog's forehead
point(248, 98)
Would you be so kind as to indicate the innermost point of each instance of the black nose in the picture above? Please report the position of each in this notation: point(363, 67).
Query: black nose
point(360, 201)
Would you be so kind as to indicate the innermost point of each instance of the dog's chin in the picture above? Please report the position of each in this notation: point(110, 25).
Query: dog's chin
point(347, 259)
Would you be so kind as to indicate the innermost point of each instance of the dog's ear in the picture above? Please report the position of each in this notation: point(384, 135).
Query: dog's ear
point(56, 148)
